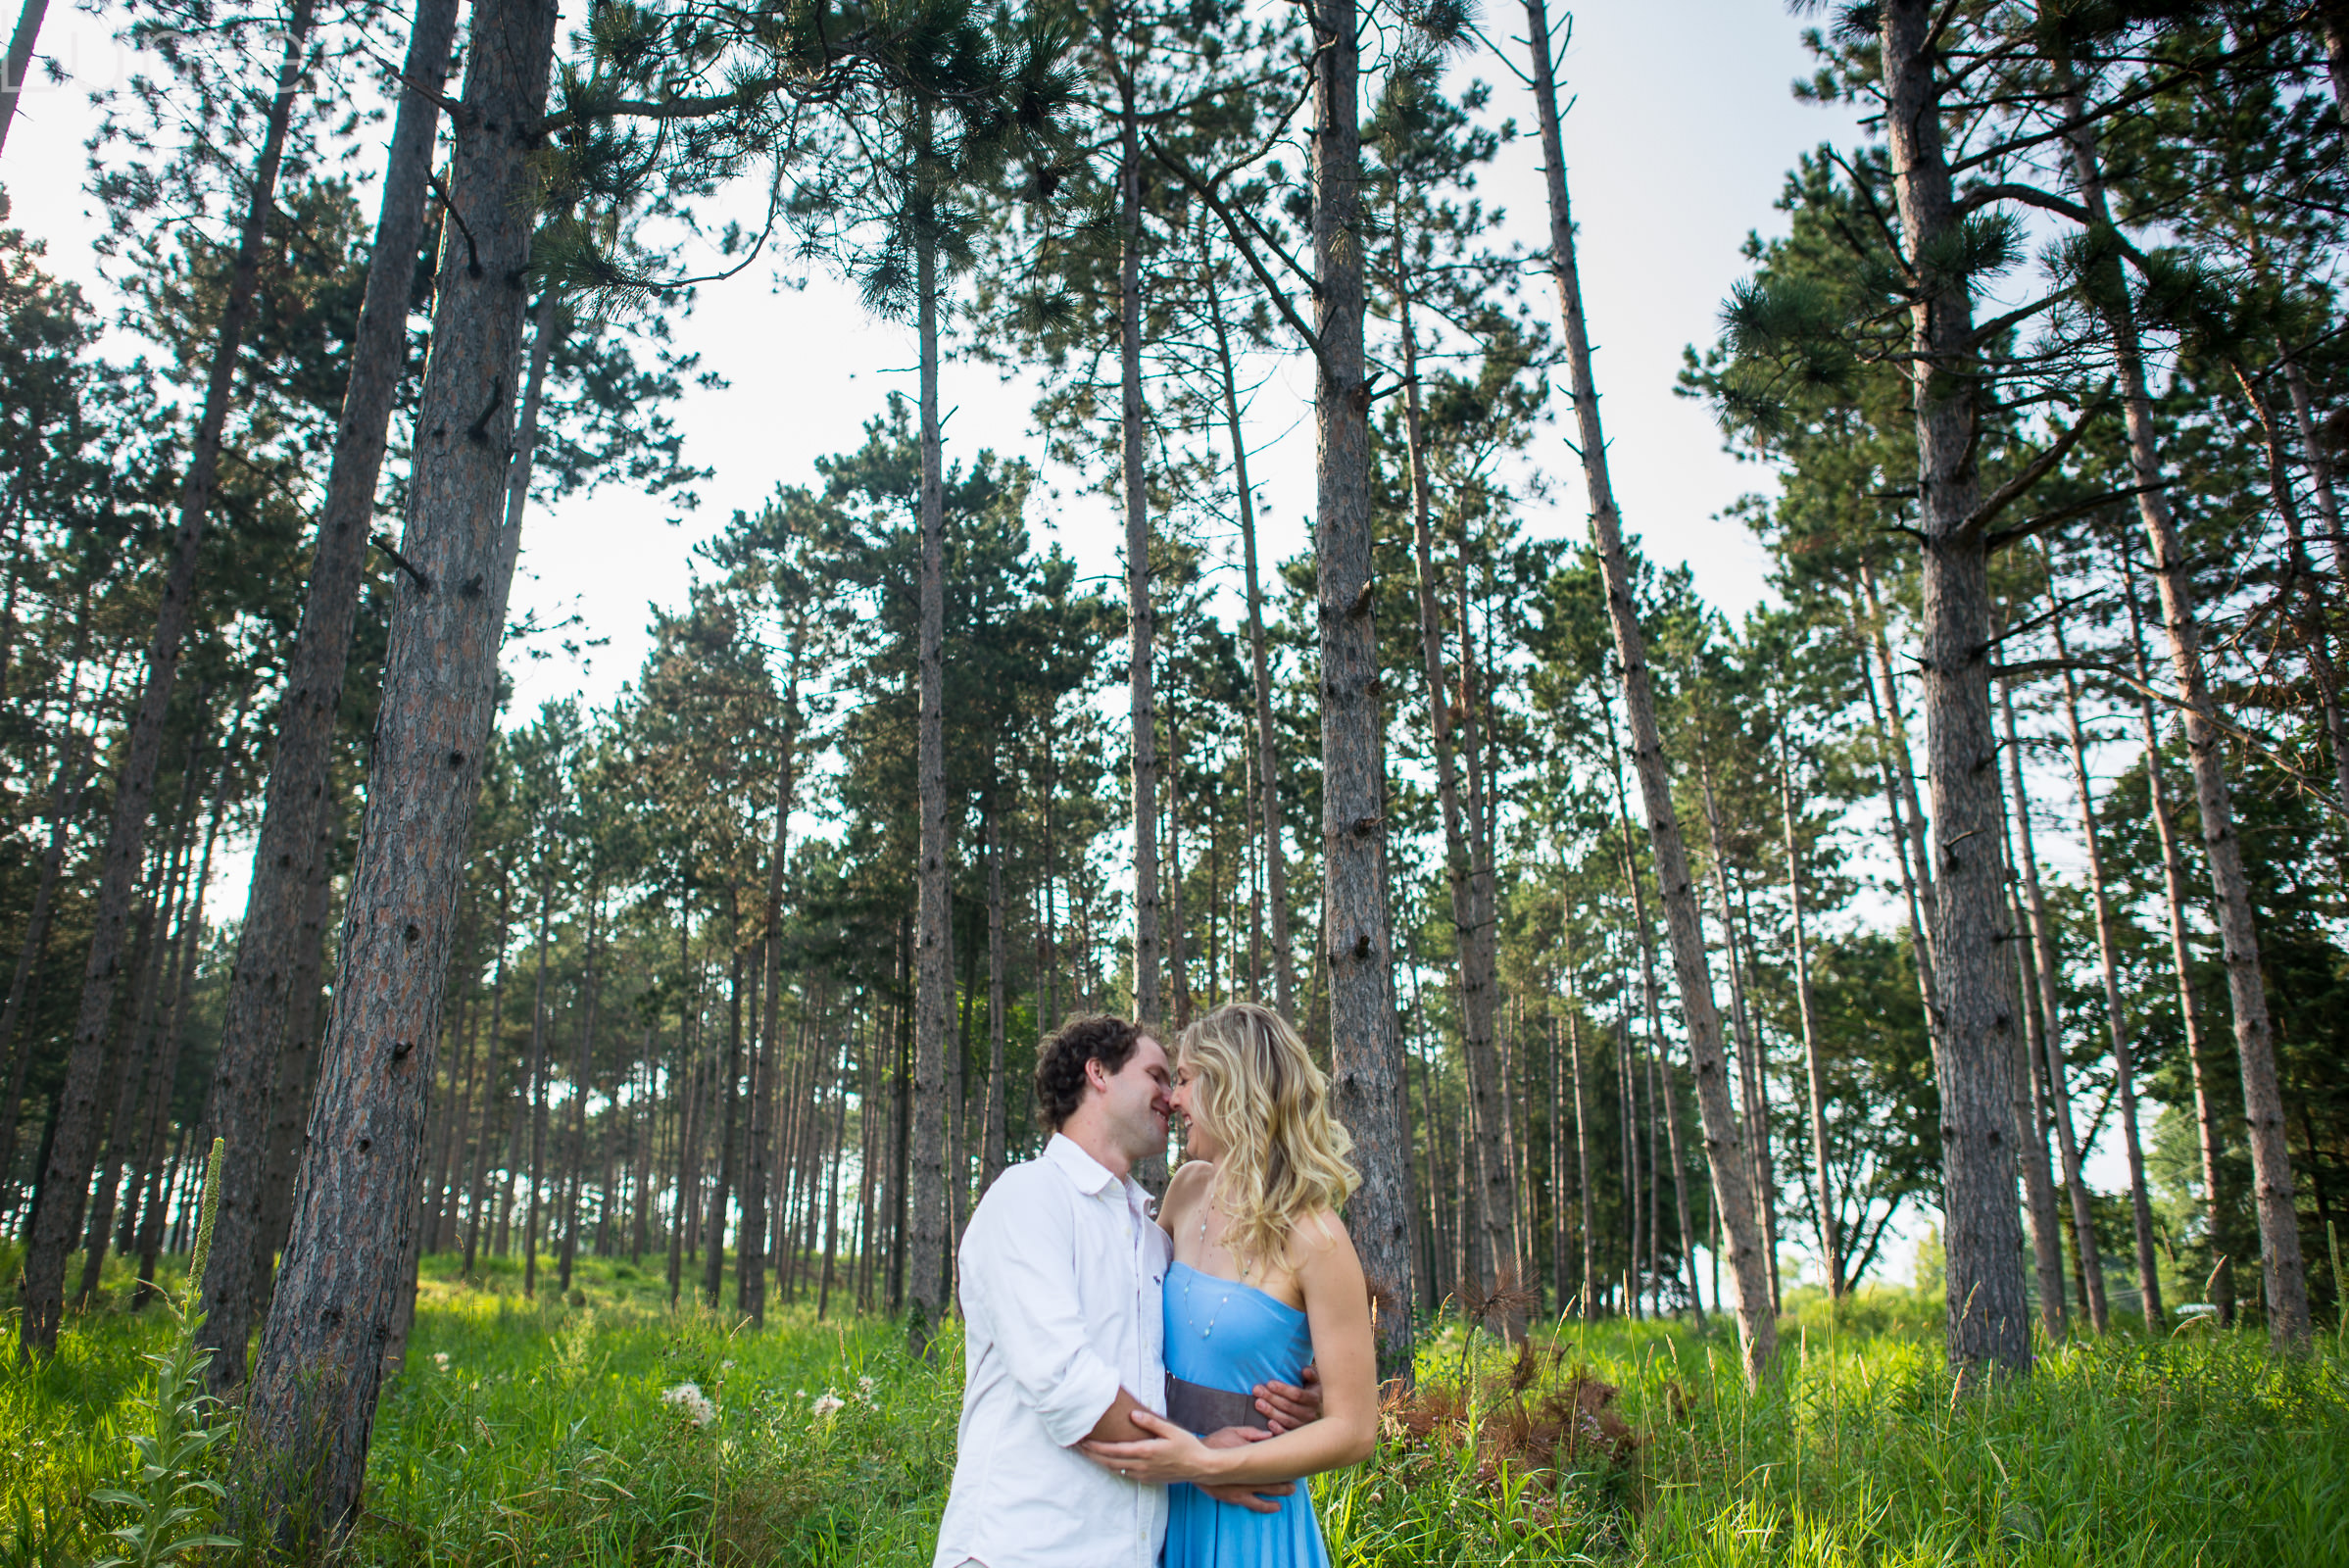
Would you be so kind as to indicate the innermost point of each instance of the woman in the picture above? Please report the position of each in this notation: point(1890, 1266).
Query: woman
point(1264, 1282)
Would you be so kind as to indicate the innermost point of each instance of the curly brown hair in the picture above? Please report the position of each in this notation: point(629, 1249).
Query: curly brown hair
point(1060, 1064)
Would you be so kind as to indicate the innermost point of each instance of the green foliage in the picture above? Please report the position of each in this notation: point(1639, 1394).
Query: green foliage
point(523, 1433)
point(174, 1494)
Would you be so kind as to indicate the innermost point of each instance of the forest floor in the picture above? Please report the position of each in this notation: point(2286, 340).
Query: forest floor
point(555, 1432)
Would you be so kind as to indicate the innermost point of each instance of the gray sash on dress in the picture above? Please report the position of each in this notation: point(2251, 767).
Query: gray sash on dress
point(1196, 1407)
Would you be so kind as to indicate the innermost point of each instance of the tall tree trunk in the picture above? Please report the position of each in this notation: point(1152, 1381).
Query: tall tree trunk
point(2238, 930)
point(1490, 1253)
point(20, 61)
point(1725, 1153)
point(713, 1265)
point(271, 941)
point(2058, 1092)
point(1905, 826)
point(2124, 1072)
point(311, 1406)
point(1751, 1085)
point(534, 1079)
point(927, 1232)
point(1896, 724)
point(132, 1059)
point(1356, 934)
point(2217, 1202)
point(1581, 1144)
point(1133, 459)
point(831, 1193)
point(65, 806)
point(143, 1050)
point(1175, 939)
point(1659, 1078)
point(992, 1137)
point(297, 1068)
point(1479, 952)
point(1823, 1191)
point(493, 1056)
point(753, 1275)
point(72, 1150)
point(150, 1232)
point(574, 1157)
point(1989, 1318)
point(1742, 949)
point(2030, 1136)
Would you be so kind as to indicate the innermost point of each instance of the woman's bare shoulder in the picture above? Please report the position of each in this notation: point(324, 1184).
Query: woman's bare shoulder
point(1186, 1188)
point(1318, 1240)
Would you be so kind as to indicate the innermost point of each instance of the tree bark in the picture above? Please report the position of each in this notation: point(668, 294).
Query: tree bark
point(927, 1232)
point(2218, 1216)
point(1725, 1153)
point(751, 1275)
point(1133, 488)
point(534, 1082)
point(1823, 1193)
point(730, 1110)
point(1988, 1319)
point(312, 1407)
point(65, 806)
point(129, 1061)
point(992, 1136)
point(270, 940)
point(2051, 1037)
point(574, 1159)
point(2125, 1073)
point(1751, 1087)
point(1581, 1145)
point(1488, 1200)
point(2238, 931)
point(296, 1072)
point(1904, 827)
point(149, 1238)
point(493, 1056)
point(1357, 954)
point(2031, 1134)
point(74, 1148)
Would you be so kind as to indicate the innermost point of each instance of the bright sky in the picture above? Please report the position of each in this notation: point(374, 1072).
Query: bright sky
point(1681, 131)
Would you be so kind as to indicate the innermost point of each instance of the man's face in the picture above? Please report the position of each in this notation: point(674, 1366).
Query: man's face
point(1135, 1099)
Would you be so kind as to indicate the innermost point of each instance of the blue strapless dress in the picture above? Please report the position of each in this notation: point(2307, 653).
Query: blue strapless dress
point(1222, 1333)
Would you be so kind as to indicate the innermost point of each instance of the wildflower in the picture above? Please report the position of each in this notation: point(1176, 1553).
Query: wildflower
point(688, 1400)
point(864, 1385)
point(440, 1359)
point(725, 1366)
point(828, 1404)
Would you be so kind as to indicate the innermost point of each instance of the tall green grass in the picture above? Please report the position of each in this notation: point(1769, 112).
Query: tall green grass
point(542, 1432)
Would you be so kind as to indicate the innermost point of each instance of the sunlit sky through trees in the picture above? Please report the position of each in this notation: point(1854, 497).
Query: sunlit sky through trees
point(1681, 121)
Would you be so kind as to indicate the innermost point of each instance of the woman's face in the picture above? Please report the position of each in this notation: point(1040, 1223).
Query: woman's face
point(1198, 1141)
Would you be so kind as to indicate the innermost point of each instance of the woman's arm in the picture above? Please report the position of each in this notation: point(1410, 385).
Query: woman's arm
point(1338, 1308)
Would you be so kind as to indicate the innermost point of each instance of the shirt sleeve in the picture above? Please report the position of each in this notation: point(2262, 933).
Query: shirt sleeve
point(1019, 1284)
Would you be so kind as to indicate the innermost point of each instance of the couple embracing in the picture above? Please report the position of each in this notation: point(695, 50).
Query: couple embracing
point(1142, 1377)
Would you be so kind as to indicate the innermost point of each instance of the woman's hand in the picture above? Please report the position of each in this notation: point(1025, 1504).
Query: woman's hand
point(1174, 1455)
point(1261, 1498)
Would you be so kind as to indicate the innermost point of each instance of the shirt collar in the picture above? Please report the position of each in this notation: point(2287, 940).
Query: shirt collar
point(1089, 1173)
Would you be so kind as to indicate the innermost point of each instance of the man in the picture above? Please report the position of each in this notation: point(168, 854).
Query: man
point(1063, 1273)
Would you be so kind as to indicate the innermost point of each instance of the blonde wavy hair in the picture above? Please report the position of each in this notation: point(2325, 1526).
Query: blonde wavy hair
point(1259, 1094)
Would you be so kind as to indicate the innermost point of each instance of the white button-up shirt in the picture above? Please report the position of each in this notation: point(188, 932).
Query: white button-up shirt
point(1063, 1273)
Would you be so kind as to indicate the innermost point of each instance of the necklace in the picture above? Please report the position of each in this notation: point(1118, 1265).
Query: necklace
point(1209, 1331)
